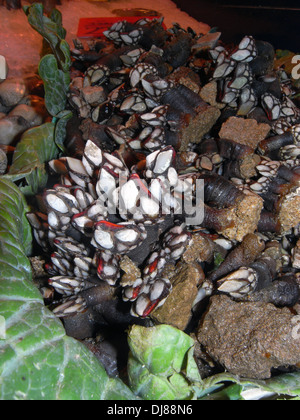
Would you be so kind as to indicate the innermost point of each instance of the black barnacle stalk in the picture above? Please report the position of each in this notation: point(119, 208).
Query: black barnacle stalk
point(248, 280)
point(268, 222)
point(284, 291)
point(234, 155)
point(220, 192)
point(182, 99)
point(178, 49)
point(243, 255)
point(275, 143)
point(263, 63)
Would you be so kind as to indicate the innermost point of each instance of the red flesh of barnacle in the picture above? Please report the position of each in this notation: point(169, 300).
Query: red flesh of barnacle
point(135, 292)
point(150, 308)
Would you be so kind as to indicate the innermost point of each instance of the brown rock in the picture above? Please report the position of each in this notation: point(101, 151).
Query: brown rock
point(132, 272)
point(250, 338)
point(200, 249)
point(194, 128)
point(37, 266)
point(206, 42)
point(186, 77)
point(289, 214)
point(244, 131)
point(248, 166)
point(93, 95)
point(244, 216)
point(176, 310)
point(209, 94)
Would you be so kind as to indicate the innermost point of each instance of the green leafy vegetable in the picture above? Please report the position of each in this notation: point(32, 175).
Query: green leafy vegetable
point(36, 147)
point(61, 128)
point(15, 235)
point(52, 31)
point(53, 68)
point(161, 364)
point(283, 386)
point(56, 84)
point(37, 359)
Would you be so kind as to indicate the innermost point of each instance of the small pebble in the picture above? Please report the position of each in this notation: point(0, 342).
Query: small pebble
point(11, 127)
point(29, 113)
point(12, 91)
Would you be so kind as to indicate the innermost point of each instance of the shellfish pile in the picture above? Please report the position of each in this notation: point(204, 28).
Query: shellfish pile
point(148, 140)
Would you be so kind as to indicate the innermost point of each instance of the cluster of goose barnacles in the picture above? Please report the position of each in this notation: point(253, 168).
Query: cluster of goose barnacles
point(116, 215)
point(246, 80)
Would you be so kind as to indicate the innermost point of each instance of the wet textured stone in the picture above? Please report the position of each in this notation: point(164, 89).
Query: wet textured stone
point(289, 214)
point(244, 216)
point(11, 127)
point(93, 95)
point(209, 94)
point(250, 338)
point(186, 77)
point(207, 41)
point(32, 115)
point(12, 91)
point(244, 131)
point(193, 129)
point(200, 249)
point(176, 310)
point(132, 272)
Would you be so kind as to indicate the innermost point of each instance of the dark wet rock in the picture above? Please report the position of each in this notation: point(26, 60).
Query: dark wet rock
point(249, 339)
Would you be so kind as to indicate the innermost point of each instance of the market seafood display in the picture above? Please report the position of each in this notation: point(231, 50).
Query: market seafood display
point(146, 145)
